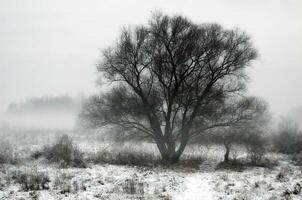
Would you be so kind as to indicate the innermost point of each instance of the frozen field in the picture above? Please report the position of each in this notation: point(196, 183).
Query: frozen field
point(105, 181)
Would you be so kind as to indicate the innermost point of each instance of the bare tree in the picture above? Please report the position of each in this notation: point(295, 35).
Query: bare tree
point(170, 80)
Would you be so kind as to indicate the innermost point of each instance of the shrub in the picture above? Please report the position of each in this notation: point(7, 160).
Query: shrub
point(63, 152)
point(256, 153)
point(256, 148)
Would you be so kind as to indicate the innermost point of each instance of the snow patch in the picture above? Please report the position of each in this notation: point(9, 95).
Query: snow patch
point(197, 186)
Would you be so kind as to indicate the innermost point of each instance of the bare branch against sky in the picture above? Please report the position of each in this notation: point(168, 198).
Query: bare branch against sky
point(51, 47)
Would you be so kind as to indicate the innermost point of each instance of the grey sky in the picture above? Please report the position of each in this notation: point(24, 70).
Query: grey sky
point(51, 47)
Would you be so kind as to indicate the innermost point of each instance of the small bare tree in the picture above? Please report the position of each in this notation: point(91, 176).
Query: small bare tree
point(171, 80)
point(247, 130)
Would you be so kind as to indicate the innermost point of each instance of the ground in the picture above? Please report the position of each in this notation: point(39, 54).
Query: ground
point(105, 181)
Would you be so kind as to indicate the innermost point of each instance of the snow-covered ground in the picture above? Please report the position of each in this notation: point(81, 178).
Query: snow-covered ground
point(197, 186)
point(105, 181)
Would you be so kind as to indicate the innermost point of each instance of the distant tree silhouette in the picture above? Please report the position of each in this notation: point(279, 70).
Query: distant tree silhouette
point(45, 104)
point(289, 137)
point(172, 79)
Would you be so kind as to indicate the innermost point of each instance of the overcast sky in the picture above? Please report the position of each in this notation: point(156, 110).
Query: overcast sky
point(51, 47)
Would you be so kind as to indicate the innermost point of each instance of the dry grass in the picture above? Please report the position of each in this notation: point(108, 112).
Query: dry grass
point(145, 155)
point(7, 154)
point(64, 152)
point(30, 179)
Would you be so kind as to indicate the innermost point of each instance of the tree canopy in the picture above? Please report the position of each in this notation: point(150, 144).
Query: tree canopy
point(172, 79)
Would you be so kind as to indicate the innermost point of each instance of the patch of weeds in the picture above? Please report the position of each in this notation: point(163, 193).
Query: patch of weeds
point(256, 154)
point(231, 165)
point(297, 189)
point(281, 176)
point(34, 195)
point(125, 158)
point(192, 161)
point(133, 158)
point(37, 154)
point(241, 165)
point(133, 186)
point(3, 183)
point(266, 163)
point(30, 179)
point(288, 193)
point(7, 154)
point(67, 184)
point(165, 197)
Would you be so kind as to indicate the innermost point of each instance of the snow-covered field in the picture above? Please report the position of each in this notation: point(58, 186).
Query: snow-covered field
point(105, 181)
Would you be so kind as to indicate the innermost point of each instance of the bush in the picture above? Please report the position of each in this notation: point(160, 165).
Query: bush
point(256, 153)
point(63, 152)
point(256, 148)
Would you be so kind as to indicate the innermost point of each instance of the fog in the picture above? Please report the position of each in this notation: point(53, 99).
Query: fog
point(51, 48)
point(55, 113)
point(150, 99)
point(47, 121)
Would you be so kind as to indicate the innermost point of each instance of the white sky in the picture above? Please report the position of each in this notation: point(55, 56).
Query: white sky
point(51, 47)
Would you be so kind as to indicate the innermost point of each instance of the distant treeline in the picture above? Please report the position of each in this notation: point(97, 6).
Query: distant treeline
point(46, 104)
point(296, 114)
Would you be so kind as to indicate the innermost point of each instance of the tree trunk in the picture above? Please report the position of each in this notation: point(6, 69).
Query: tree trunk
point(227, 153)
point(168, 155)
point(163, 150)
point(183, 143)
point(167, 151)
point(167, 148)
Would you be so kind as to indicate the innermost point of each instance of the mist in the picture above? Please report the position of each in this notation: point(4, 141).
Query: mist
point(152, 99)
point(47, 112)
point(52, 47)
